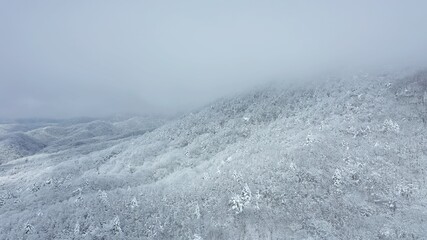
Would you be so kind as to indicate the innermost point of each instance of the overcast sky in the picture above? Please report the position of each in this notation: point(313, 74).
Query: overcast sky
point(95, 58)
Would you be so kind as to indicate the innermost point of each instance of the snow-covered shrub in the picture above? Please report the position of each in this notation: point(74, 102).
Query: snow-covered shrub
point(116, 229)
point(28, 228)
point(103, 198)
point(337, 178)
point(239, 202)
point(196, 210)
point(406, 190)
point(77, 228)
point(134, 203)
point(197, 237)
point(391, 126)
point(236, 204)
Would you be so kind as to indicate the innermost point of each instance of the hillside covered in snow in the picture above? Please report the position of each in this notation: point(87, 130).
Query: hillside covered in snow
point(340, 158)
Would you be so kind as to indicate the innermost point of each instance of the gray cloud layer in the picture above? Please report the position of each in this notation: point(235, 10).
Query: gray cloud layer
point(95, 58)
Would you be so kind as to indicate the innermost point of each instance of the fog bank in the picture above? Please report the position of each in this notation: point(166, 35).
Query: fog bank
point(96, 58)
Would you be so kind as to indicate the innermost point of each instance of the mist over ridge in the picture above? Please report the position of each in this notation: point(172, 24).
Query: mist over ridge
point(100, 58)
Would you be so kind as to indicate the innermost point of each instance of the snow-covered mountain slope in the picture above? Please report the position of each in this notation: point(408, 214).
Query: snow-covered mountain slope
point(339, 159)
point(13, 146)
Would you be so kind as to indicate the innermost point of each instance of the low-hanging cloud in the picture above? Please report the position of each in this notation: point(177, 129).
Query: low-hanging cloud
point(96, 58)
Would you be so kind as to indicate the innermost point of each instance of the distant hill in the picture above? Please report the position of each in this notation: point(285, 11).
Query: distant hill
point(25, 138)
point(16, 145)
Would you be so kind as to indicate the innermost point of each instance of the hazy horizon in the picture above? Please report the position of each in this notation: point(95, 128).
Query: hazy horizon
point(101, 58)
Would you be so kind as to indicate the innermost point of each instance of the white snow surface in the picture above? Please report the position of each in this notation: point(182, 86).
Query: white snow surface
point(343, 158)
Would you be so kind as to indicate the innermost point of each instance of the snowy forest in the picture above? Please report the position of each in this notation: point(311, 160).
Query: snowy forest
point(340, 158)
